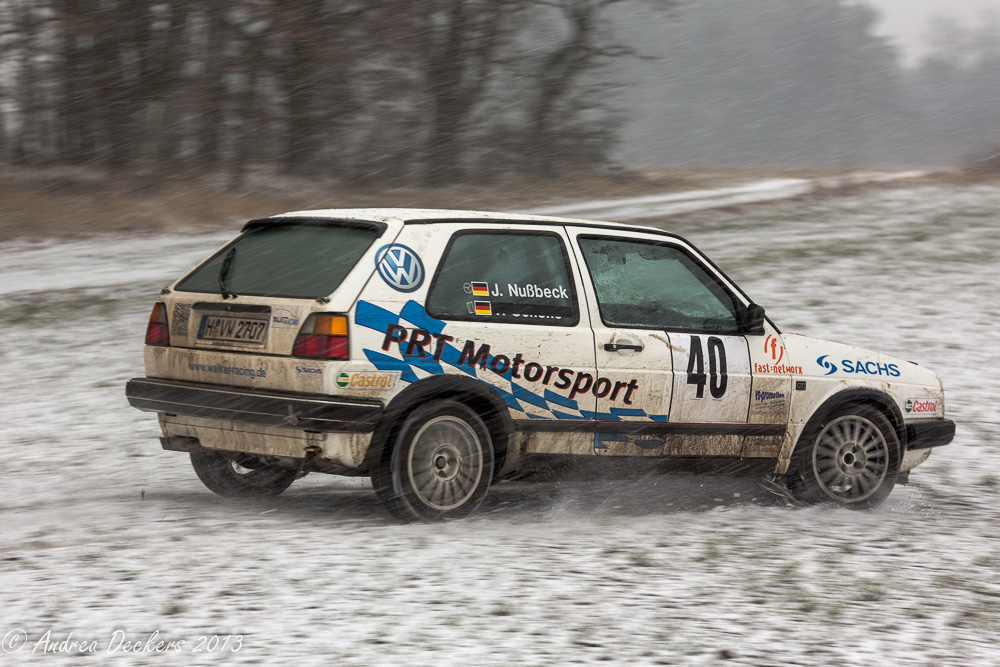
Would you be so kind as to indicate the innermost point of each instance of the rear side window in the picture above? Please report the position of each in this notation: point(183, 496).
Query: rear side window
point(509, 277)
point(289, 260)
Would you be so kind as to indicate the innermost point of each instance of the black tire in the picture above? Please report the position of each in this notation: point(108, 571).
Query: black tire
point(849, 457)
point(240, 475)
point(439, 465)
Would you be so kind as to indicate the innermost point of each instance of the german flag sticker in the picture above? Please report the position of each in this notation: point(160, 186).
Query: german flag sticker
point(483, 307)
point(480, 289)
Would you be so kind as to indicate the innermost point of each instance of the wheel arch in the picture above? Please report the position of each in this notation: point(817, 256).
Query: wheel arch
point(474, 394)
point(867, 396)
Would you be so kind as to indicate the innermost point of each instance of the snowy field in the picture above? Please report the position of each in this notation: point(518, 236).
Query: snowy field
point(114, 545)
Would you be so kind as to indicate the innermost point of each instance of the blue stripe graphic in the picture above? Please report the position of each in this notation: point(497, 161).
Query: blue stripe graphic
point(553, 397)
point(629, 412)
point(529, 397)
point(385, 363)
point(601, 416)
point(450, 356)
point(374, 317)
point(565, 415)
point(508, 398)
point(415, 314)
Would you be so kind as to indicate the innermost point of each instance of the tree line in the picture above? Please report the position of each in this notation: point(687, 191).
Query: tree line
point(440, 91)
point(428, 91)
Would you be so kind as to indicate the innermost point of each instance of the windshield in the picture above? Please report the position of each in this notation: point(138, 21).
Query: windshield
point(290, 260)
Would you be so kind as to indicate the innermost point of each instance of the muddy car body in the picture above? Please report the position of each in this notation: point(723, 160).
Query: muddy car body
point(440, 351)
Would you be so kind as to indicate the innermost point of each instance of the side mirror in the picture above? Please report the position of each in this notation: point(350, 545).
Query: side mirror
point(755, 320)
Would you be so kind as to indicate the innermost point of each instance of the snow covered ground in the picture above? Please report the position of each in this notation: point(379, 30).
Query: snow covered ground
point(673, 203)
point(110, 542)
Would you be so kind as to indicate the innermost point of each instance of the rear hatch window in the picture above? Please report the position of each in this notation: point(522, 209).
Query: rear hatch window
point(305, 260)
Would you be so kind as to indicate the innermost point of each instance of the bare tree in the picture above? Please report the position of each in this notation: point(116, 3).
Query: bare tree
point(25, 48)
point(314, 46)
point(362, 88)
point(558, 75)
point(459, 40)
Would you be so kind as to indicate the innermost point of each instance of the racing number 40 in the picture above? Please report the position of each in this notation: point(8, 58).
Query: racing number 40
point(717, 379)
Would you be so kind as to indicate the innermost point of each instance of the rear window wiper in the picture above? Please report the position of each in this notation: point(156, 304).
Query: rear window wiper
point(226, 263)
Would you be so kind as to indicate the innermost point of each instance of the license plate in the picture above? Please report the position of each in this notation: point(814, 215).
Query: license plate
point(232, 329)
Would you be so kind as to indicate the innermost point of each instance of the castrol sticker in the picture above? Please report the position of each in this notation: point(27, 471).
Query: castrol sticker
point(368, 379)
point(919, 407)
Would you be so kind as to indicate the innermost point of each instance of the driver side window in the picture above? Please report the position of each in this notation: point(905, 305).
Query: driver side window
point(657, 286)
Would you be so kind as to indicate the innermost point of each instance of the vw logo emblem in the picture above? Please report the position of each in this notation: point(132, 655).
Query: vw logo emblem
point(399, 267)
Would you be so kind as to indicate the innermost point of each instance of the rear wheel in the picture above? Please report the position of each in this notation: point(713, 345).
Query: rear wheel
point(850, 457)
point(439, 465)
point(240, 475)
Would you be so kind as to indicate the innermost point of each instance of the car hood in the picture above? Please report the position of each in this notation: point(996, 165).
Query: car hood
point(827, 359)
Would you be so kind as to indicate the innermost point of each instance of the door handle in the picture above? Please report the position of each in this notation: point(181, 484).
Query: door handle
point(614, 347)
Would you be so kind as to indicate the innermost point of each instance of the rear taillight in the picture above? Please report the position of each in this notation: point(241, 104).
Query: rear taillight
point(157, 332)
point(323, 336)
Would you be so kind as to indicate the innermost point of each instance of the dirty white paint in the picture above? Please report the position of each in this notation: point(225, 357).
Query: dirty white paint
point(543, 371)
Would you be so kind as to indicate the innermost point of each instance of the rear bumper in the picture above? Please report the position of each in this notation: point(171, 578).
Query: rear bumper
point(927, 434)
point(308, 412)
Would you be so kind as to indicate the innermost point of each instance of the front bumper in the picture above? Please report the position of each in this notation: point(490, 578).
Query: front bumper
point(927, 434)
point(308, 412)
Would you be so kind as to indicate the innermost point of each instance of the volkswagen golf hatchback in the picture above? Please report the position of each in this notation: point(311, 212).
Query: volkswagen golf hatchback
point(438, 352)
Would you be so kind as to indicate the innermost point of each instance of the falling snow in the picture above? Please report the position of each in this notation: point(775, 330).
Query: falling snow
point(106, 532)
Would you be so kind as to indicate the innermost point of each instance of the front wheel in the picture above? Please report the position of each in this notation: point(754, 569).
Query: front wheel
point(850, 457)
point(439, 465)
point(240, 475)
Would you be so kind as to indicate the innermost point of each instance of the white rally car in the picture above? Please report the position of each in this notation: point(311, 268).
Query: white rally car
point(440, 351)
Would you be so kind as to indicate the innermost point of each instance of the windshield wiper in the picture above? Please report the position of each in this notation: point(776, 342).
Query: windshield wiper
point(226, 263)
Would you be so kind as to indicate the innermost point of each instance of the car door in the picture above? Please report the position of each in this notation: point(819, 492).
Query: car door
point(689, 352)
point(712, 384)
point(508, 300)
point(633, 364)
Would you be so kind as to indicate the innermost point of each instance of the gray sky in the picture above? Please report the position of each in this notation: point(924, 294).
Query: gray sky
point(906, 21)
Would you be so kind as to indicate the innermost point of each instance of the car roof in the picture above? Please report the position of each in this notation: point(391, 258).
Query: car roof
point(428, 215)
point(416, 216)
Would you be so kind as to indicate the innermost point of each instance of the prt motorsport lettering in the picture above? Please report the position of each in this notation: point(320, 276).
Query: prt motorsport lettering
point(565, 378)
